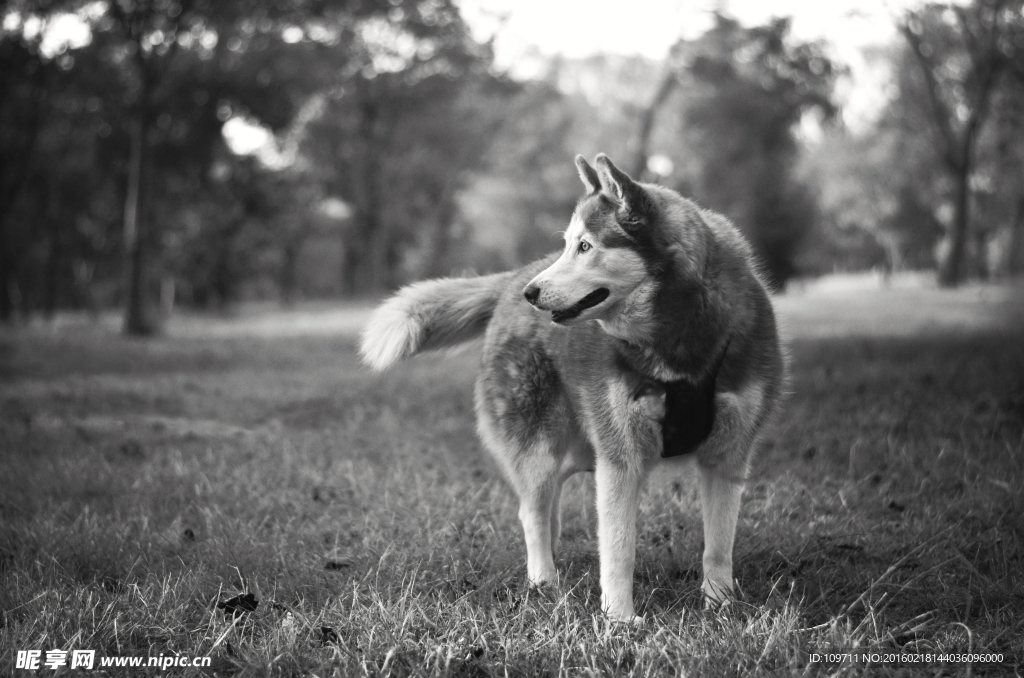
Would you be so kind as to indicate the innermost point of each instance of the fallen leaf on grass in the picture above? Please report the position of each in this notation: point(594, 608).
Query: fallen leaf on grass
point(850, 547)
point(239, 605)
point(328, 636)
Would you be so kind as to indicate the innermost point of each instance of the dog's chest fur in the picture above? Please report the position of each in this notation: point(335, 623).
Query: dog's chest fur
point(689, 404)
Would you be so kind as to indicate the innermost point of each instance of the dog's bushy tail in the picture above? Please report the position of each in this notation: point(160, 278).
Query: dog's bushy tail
point(430, 315)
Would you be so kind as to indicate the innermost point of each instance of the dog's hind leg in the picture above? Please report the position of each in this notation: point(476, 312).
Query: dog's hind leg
point(556, 515)
point(720, 506)
point(538, 498)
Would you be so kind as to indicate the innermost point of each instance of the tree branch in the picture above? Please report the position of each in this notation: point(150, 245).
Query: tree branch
point(665, 89)
point(988, 64)
point(941, 115)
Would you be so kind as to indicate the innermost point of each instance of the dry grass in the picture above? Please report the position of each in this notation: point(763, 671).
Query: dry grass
point(141, 483)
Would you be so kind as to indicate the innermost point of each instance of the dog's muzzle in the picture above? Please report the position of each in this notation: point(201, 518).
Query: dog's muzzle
point(589, 301)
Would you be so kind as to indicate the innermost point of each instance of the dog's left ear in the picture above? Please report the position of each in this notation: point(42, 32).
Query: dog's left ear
point(634, 205)
point(587, 175)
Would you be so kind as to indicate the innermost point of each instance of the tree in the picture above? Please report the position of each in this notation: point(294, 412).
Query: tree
point(135, 116)
point(998, 186)
point(247, 223)
point(743, 91)
point(149, 33)
point(962, 52)
point(58, 161)
point(398, 135)
point(149, 38)
point(23, 74)
point(524, 195)
point(189, 65)
point(517, 205)
point(876, 190)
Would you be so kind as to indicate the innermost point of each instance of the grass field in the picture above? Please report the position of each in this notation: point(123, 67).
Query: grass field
point(144, 482)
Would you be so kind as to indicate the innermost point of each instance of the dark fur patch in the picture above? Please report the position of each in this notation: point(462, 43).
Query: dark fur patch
point(525, 379)
point(689, 416)
point(689, 412)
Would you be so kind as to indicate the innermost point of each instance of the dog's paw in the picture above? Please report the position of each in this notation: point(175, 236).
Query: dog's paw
point(716, 595)
point(543, 582)
point(541, 571)
point(626, 620)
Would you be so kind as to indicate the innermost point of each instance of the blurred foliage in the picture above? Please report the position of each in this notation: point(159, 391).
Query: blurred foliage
point(743, 92)
point(966, 56)
point(936, 181)
point(395, 150)
point(397, 140)
point(518, 207)
point(875, 191)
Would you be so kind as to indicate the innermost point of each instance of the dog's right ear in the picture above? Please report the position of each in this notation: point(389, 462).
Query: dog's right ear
point(588, 175)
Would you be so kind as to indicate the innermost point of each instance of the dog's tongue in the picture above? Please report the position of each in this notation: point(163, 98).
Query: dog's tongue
point(589, 301)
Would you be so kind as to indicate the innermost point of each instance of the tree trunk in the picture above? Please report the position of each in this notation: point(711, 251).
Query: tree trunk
point(441, 254)
point(665, 88)
point(367, 261)
point(12, 178)
point(379, 266)
point(1015, 258)
point(6, 307)
point(288, 274)
point(980, 266)
point(7, 284)
point(49, 213)
point(83, 270)
point(167, 293)
point(24, 301)
point(224, 275)
point(951, 270)
point(138, 320)
point(52, 282)
point(351, 256)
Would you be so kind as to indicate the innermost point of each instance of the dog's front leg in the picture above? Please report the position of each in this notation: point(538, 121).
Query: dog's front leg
point(723, 463)
point(618, 494)
point(720, 504)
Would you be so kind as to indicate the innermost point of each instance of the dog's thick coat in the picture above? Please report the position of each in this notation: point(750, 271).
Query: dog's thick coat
point(661, 347)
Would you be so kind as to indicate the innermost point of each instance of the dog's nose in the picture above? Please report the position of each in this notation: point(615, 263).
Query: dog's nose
point(531, 292)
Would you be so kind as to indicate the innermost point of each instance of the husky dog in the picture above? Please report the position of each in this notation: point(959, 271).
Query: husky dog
point(650, 340)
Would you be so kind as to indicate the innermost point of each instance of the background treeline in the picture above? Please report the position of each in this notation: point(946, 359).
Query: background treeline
point(399, 151)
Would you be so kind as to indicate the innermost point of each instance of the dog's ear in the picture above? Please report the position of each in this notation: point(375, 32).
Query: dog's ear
point(634, 205)
point(588, 175)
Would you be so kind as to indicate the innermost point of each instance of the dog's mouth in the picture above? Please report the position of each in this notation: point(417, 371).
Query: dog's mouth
point(589, 301)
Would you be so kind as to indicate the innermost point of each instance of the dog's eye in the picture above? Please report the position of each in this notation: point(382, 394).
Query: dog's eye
point(584, 246)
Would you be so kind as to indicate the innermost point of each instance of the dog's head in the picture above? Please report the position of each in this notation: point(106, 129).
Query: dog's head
point(607, 255)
